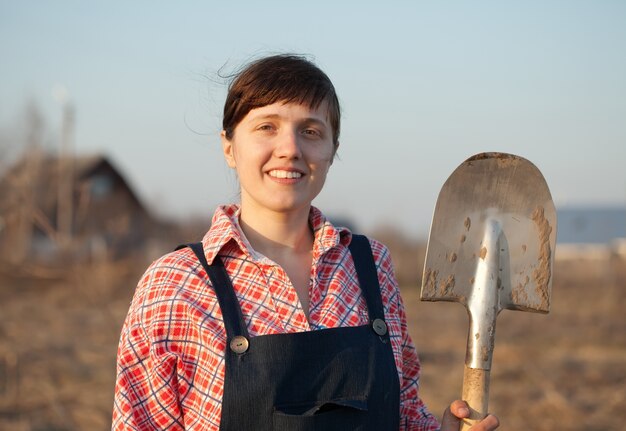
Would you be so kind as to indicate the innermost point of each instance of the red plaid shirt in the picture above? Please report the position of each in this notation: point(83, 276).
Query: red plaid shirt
point(170, 366)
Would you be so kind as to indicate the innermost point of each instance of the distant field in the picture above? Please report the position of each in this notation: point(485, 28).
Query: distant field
point(562, 371)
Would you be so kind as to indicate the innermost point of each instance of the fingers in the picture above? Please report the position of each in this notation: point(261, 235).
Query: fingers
point(458, 410)
point(490, 423)
point(453, 415)
point(450, 422)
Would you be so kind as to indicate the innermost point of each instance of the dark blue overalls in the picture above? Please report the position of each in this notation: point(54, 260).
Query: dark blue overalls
point(331, 379)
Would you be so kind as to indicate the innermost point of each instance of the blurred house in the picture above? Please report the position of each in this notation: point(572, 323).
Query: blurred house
point(591, 225)
point(591, 233)
point(55, 208)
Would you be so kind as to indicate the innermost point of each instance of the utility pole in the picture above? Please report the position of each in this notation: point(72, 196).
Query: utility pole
point(26, 185)
point(65, 198)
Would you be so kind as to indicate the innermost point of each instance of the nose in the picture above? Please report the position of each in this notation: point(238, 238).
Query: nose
point(288, 144)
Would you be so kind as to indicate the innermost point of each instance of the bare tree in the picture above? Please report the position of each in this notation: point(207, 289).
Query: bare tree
point(19, 207)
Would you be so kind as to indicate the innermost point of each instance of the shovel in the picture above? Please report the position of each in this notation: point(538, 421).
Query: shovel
point(491, 247)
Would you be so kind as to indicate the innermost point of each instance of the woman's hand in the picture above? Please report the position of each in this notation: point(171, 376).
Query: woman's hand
point(458, 410)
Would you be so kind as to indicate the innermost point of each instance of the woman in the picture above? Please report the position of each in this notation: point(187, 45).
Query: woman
point(278, 320)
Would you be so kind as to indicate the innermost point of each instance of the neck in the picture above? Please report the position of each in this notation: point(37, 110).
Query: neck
point(276, 233)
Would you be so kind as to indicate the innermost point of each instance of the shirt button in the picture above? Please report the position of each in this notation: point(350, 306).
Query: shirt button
point(239, 344)
point(380, 327)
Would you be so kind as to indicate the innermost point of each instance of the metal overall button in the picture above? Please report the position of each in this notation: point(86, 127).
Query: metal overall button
point(380, 327)
point(239, 344)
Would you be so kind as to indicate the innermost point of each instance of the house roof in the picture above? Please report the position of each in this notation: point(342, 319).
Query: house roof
point(39, 174)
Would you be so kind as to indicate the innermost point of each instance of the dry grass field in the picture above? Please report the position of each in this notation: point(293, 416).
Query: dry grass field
point(562, 371)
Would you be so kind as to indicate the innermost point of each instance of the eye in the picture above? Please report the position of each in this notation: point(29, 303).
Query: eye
point(311, 132)
point(266, 128)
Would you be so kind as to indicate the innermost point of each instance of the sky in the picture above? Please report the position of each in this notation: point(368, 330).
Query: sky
point(423, 86)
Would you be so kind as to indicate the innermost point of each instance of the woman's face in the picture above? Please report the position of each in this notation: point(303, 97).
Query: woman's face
point(282, 153)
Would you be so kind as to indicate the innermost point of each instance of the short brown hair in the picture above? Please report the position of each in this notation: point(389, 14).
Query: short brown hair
point(279, 78)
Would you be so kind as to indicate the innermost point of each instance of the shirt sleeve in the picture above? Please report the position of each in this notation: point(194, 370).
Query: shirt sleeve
point(146, 389)
point(414, 415)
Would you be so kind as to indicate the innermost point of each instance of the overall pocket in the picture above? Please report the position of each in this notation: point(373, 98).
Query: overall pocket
point(339, 415)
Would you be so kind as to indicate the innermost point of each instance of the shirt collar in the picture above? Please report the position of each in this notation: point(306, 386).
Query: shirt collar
point(225, 229)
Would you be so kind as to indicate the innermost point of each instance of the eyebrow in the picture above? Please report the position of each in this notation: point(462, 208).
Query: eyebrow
point(265, 117)
point(317, 121)
point(307, 120)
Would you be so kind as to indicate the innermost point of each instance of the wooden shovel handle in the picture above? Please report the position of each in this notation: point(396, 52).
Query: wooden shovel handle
point(476, 394)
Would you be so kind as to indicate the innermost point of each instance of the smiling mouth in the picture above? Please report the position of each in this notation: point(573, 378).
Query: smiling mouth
point(284, 174)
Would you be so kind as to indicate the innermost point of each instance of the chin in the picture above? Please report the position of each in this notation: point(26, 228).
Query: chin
point(286, 206)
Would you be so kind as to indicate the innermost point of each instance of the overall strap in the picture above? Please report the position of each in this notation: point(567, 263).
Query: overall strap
point(231, 312)
point(365, 266)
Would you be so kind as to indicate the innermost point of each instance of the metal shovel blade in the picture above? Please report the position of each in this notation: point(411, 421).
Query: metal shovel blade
point(491, 245)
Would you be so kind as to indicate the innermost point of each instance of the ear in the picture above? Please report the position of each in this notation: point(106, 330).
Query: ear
point(335, 156)
point(229, 151)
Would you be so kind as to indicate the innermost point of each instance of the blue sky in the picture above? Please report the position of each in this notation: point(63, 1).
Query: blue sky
point(423, 86)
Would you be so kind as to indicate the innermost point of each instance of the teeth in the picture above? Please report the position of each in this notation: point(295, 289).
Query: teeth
point(285, 174)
